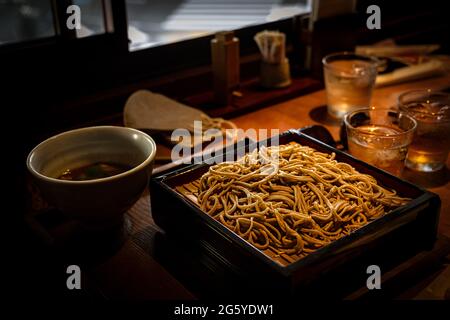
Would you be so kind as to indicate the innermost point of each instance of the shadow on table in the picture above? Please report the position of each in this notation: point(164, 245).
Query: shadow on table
point(427, 179)
point(70, 240)
point(321, 115)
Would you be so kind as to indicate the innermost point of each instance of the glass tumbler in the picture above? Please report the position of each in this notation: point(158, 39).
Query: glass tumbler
point(380, 137)
point(349, 81)
point(431, 144)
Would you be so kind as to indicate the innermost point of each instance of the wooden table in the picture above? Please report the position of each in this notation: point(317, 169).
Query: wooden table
point(133, 272)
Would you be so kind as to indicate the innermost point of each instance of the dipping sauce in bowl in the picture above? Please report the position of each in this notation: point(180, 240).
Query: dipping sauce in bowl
point(94, 171)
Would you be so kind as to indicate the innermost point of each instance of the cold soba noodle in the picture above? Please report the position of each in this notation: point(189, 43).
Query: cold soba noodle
point(290, 199)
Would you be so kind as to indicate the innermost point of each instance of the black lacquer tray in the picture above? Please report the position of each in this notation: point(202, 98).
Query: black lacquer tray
point(410, 228)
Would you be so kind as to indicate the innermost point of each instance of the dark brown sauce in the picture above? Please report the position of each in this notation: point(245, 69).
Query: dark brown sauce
point(93, 171)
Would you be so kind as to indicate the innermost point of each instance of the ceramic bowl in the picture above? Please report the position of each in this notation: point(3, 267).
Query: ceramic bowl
point(97, 202)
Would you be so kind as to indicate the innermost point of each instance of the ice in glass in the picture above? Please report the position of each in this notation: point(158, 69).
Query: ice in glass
point(349, 81)
point(380, 137)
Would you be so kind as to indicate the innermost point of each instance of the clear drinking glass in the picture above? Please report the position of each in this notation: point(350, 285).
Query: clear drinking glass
point(349, 81)
point(380, 137)
point(431, 144)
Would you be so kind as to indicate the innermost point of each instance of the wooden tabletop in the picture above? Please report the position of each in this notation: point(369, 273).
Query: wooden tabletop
point(134, 272)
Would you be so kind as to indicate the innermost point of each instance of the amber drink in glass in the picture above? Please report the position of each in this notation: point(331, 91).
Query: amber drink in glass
point(431, 144)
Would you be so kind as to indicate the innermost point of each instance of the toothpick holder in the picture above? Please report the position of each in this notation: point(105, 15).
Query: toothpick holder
point(275, 75)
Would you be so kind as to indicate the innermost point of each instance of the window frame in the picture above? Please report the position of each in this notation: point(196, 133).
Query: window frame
point(115, 25)
point(135, 65)
point(69, 82)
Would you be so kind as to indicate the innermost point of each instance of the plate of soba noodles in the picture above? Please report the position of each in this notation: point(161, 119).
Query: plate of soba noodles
point(291, 205)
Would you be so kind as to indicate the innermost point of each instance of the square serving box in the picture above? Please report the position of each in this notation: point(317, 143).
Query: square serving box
point(410, 228)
